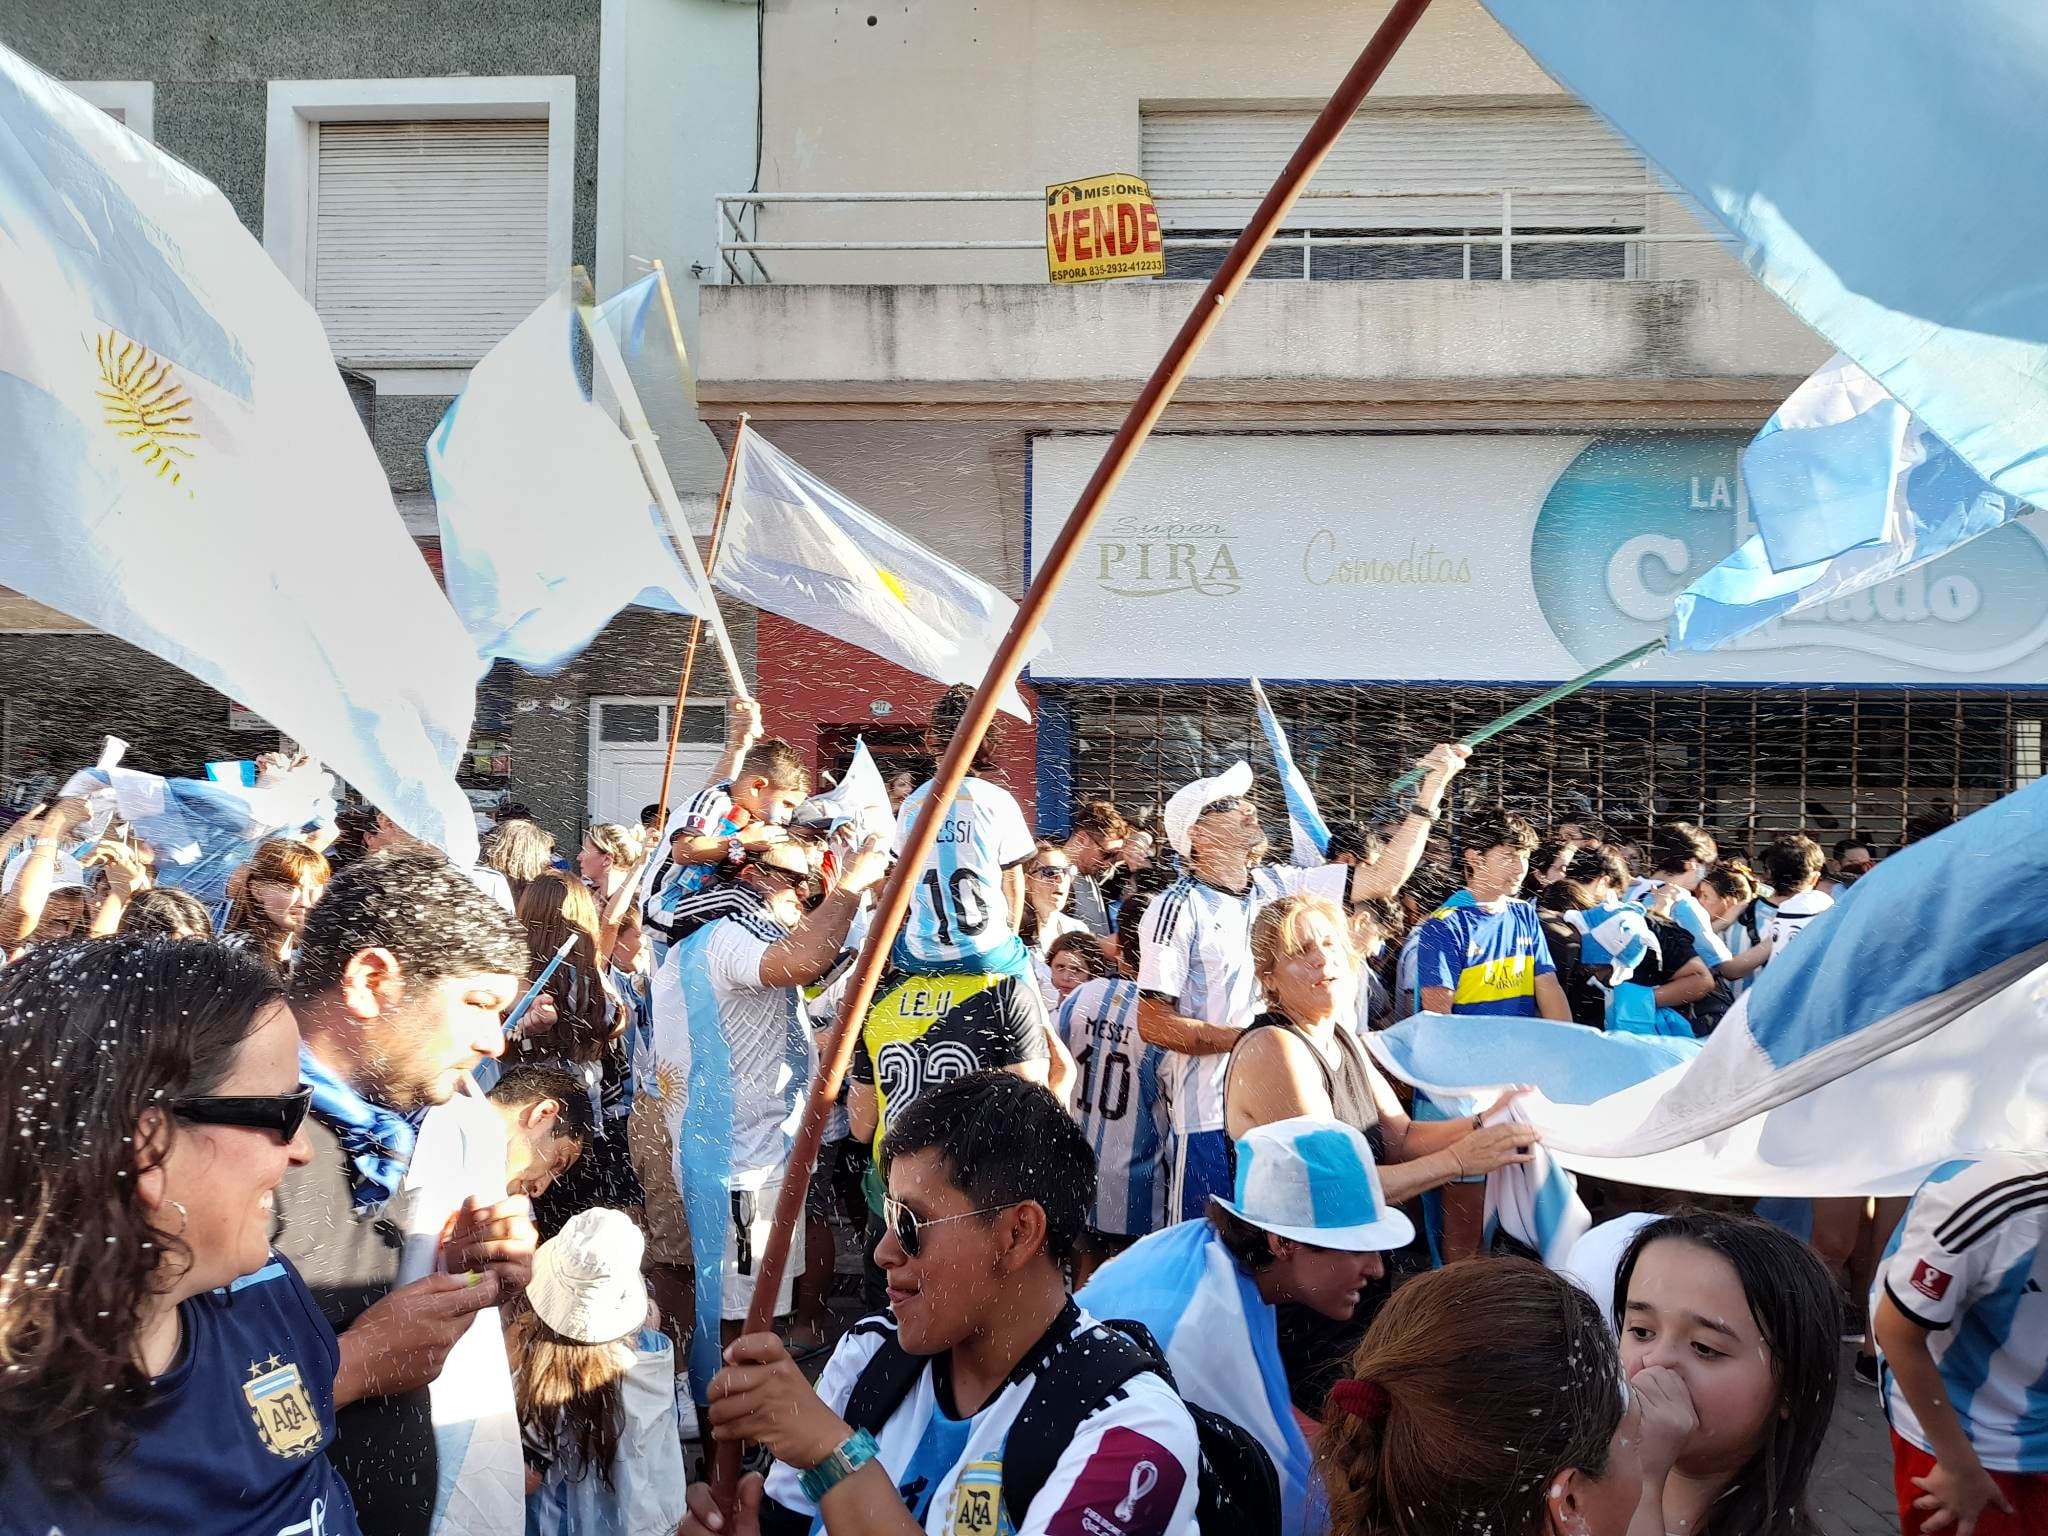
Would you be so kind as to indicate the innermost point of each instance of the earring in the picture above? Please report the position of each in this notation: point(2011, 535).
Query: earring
point(184, 1218)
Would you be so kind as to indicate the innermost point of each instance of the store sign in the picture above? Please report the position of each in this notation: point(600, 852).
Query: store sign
point(1481, 557)
point(1104, 227)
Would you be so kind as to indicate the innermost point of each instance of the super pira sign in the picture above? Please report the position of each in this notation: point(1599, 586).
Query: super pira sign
point(1104, 227)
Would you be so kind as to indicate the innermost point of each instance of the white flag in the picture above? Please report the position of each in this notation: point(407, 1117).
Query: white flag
point(798, 548)
point(184, 468)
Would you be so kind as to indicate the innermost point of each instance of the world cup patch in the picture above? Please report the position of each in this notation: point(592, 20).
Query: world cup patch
point(1929, 1281)
point(282, 1408)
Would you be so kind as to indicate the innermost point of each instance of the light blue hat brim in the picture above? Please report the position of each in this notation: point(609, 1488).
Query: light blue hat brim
point(1392, 1230)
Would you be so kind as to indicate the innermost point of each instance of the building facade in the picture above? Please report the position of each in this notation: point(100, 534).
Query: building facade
point(424, 173)
point(1475, 421)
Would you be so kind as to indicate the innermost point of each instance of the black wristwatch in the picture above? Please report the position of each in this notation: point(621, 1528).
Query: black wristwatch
point(1423, 811)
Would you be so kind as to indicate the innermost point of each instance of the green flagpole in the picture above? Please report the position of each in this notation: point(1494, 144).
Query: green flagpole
point(1541, 702)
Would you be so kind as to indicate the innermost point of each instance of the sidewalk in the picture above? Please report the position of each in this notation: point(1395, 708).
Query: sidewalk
point(1852, 1484)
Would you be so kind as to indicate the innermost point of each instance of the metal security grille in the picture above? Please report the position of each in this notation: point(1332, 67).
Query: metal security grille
point(1746, 763)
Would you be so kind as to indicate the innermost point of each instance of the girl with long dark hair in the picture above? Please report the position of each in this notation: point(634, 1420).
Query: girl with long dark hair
point(1728, 1331)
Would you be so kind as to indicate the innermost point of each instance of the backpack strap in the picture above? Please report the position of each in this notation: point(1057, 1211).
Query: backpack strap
point(1081, 1378)
point(885, 1381)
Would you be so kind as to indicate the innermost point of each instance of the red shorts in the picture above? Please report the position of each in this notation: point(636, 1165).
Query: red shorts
point(2027, 1492)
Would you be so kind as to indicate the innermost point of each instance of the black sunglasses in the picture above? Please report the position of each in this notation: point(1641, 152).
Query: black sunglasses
point(909, 1226)
point(1054, 870)
point(283, 1113)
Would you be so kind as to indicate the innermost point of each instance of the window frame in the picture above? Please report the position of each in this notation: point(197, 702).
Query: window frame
point(135, 100)
point(296, 110)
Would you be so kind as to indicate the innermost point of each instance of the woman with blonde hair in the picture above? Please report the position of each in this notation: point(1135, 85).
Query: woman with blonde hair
point(1298, 1058)
point(610, 862)
point(269, 898)
point(521, 852)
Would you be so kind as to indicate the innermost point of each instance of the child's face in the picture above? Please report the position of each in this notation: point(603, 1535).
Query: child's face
point(1687, 1311)
point(1067, 972)
point(766, 802)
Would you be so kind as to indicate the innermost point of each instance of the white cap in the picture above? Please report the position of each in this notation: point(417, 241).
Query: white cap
point(69, 875)
point(586, 1279)
point(1185, 808)
point(1314, 1181)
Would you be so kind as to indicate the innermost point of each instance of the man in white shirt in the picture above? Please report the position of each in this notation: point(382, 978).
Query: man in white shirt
point(969, 896)
point(1197, 990)
point(735, 1056)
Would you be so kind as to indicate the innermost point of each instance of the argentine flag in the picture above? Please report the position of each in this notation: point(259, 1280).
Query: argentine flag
point(1879, 163)
point(1908, 1026)
point(547, 527)
point(1847, 490)
point(1308, 835)
point(184, 468)
point(798, 548)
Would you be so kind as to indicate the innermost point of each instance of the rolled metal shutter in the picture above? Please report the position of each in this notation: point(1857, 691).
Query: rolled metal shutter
point(430, 240)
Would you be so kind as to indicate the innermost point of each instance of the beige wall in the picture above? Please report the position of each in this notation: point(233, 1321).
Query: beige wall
point(1008, 95)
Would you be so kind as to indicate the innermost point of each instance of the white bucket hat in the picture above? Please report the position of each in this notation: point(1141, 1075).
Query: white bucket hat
point(586, 1279)
point(1185, 808)
point(1314, 1181)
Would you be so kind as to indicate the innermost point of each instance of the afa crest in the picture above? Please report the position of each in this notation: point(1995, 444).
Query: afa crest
point(282, 1408)
point(978, 1501)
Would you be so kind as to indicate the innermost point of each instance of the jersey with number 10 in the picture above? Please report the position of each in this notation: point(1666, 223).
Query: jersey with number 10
point(958, 914)
point(1122, 1104)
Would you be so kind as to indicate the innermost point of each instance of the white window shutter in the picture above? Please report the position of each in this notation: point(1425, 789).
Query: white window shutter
point(430, 240)
point(1392, 148)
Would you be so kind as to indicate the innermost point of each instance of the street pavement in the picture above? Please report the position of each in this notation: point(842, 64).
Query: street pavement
point(1852, 1485)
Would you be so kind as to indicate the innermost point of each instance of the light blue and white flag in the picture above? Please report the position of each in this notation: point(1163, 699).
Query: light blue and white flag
point(1854, 1065)
point(1308, 834)
point(1537, 1203)
point(202, 830)
point(1847, 490)
point(796, 547)
point(1221, 1339)
point(1617, 935)
point(1877, 162)
point(184, 468)
point(547, 526)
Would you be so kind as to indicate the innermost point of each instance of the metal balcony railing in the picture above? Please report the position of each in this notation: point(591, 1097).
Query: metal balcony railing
point(1386, 219)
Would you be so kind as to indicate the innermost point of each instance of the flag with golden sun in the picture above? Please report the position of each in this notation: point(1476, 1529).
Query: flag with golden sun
point(796, 547)
point(183, 467)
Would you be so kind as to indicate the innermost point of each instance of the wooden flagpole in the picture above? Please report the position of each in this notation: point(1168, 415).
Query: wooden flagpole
point(893, 901)
point(675, 724)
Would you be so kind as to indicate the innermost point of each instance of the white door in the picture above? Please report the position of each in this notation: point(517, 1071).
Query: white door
point(629, 743)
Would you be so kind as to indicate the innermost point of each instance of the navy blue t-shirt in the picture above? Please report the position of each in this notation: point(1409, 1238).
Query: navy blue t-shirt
point(233, 1439)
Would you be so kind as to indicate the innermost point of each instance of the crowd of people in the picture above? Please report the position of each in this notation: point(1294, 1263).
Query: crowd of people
point(395, 1197)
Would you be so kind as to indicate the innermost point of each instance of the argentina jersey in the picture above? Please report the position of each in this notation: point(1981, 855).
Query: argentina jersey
point(708, 813)
point(1197, 954)
point(959, 917)
point(1969, 1263)
point(1122, 1104)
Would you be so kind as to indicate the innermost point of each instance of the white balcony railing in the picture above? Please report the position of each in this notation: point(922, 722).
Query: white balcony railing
point(1389, 216)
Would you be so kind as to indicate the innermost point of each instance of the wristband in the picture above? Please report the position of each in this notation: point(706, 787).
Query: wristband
point(855, 1452)
point(1423, 812)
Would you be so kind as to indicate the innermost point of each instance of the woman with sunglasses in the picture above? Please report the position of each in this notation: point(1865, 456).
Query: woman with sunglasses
point(164, 1368)
point(1048, 883)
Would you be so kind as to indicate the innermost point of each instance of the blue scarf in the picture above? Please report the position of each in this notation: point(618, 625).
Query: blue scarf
point(378, 1141)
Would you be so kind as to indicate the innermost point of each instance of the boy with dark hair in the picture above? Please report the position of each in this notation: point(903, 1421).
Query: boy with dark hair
point(1483, 950)
point(1793, 864)
point(1092, 847)
point(936, 1411)
point(548, 1122)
